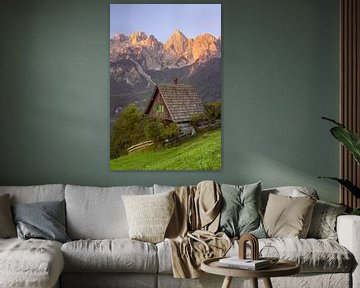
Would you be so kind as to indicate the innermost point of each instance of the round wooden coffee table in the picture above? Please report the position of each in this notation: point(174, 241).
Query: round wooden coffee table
point(281, 268)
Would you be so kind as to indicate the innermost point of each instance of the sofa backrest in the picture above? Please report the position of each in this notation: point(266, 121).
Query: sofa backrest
point(163, 188)
point(36, 193)
point(98, 212)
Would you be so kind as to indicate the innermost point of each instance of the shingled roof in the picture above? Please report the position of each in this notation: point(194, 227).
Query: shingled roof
point(181, 100)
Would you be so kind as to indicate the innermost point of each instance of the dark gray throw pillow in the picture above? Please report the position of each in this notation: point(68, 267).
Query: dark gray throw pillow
point(240, 213)
point(44, 220)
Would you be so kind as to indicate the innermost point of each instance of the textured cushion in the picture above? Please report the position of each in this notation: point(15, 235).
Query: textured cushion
point(287, 216)
point(313, 255)
point(117, 255)
point(31, 263)
point(164, 257)
point(98, 213)
point(7, 227)
point(44, 220)
point(323, 222)
point(149, 215)
point(240, 210)
point(36, 193)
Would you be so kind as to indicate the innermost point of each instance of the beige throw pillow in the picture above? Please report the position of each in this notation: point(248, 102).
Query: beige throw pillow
point(149, 215)
point(7, 226)
point(288, 217)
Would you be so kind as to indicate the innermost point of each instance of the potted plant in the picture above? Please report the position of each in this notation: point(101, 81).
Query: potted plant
point(351, 141)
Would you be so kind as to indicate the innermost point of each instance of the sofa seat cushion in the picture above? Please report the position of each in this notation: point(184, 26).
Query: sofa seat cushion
point(30, 263)
point(115, 255)
point(313, 255)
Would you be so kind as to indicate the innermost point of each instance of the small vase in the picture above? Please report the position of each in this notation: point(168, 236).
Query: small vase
point(270, 253)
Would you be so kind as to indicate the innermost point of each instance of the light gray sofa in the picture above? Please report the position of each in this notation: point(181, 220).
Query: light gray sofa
point(101, 255)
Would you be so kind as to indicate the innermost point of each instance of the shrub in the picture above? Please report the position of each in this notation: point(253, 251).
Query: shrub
point(158, 130)
point(213, 111)
point(198, 120)
point(127, 130)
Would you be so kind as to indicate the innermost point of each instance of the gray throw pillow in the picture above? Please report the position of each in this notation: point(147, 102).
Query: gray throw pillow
point(323, 222)
point(240, 213)
point(7, 227)
point(44, 220)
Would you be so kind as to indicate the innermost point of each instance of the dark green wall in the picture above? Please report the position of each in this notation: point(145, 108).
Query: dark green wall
point(280, 75)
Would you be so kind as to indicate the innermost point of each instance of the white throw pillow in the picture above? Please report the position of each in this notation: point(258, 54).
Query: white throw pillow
point(149, 215)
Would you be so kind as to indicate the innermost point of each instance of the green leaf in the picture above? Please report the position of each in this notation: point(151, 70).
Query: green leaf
point(348, 138)
point(333, 121)
point(355, 211)
point(347, 184)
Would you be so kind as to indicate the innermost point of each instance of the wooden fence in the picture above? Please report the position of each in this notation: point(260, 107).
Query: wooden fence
point(186, 133)
point(140, 146)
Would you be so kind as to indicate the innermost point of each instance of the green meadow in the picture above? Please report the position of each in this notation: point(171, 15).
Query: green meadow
point(202, 152)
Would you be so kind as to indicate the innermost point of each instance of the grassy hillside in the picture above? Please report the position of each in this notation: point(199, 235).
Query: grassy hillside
point(202, 152)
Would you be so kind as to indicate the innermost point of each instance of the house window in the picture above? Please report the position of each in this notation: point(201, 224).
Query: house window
point(159, 108)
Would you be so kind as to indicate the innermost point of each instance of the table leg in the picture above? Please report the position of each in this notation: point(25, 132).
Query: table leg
point(267, 283)
point(227, 282)
point(254, 282)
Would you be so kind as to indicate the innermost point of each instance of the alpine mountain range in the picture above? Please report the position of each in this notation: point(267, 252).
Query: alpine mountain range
point(138, 62)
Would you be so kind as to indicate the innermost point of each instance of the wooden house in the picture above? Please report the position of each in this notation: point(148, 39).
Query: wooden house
point(174, 103)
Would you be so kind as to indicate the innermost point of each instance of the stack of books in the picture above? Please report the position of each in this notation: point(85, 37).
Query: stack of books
point(248, 264)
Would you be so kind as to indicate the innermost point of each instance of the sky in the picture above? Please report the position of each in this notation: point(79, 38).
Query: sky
point(163, 19)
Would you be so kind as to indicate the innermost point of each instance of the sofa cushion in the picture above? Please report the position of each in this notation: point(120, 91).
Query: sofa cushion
point(323, 222)
point(30, 263)
point(240, 210)
point(7, 226)
point(149, 215)
point(117, 255)
point(98, 213)
point(43, 220)
point(313, 255)
point(291, 191)
point(164, 257)
point(287, 216)
point(36, 193)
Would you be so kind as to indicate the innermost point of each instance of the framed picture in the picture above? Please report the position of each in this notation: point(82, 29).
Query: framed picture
point(165, 86)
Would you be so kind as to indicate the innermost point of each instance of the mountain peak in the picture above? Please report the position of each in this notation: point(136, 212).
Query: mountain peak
point(119, 37)
point(178, 50)
point(205, 46)
point(178, 33)
point(177, 43)
point(137, 37)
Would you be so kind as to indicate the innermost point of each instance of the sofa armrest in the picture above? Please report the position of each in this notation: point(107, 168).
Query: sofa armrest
point(348, 230)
